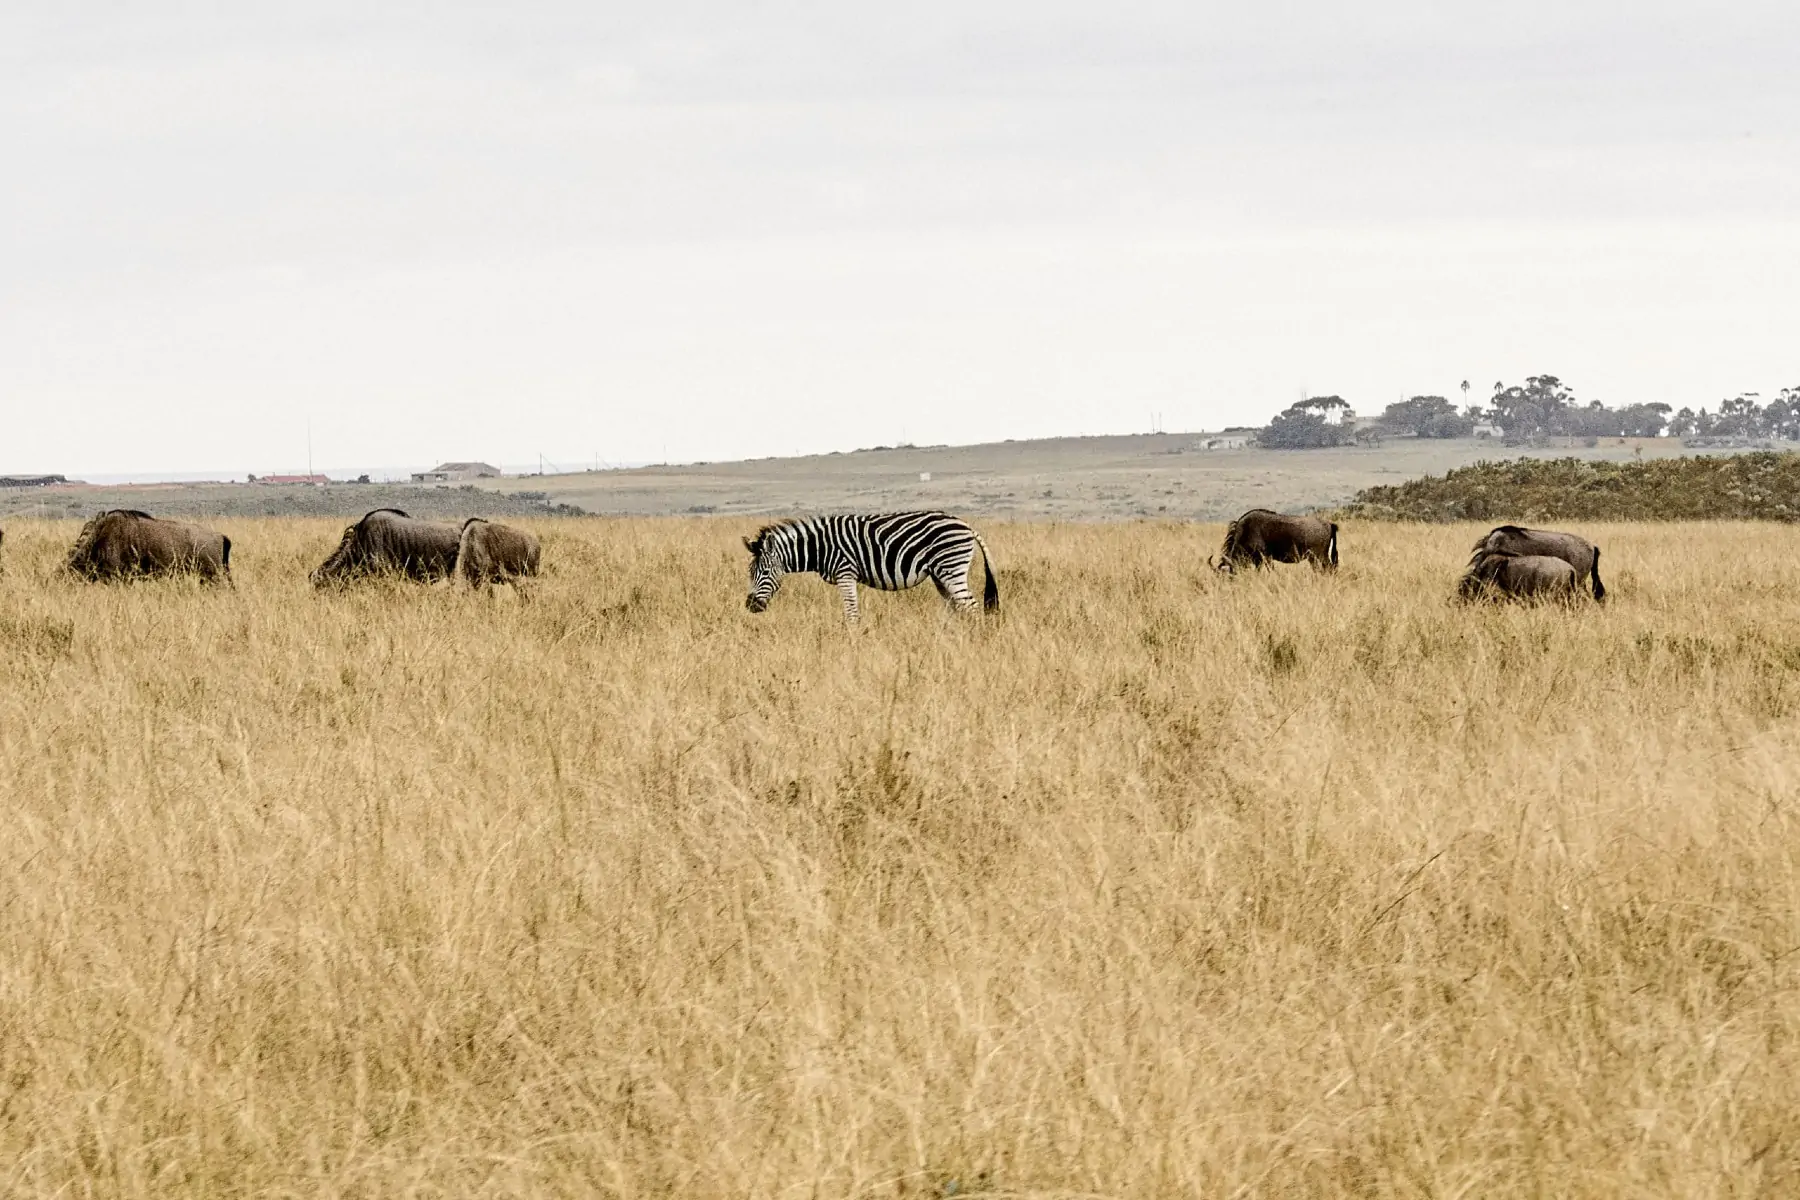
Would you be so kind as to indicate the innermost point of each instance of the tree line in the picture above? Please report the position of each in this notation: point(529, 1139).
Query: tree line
point(1543, 406)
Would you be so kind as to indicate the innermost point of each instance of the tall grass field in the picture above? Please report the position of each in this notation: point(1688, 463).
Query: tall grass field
point(1157, 884)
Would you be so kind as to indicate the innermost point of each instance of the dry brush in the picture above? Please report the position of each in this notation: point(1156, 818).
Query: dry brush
point(1157, 884)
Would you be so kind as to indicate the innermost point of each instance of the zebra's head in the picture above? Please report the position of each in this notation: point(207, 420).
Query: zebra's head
point(766, 569)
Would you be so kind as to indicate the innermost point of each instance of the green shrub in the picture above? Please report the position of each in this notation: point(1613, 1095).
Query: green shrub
point(1760, 486)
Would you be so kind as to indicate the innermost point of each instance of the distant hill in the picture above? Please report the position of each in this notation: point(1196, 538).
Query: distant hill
point(1157, 477)
point(346, 500)
point(1761, 486)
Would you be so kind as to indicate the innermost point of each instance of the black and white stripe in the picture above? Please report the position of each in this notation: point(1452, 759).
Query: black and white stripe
point(890, 551)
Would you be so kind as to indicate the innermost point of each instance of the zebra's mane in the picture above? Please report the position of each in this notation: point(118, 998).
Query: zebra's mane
point(756, 543)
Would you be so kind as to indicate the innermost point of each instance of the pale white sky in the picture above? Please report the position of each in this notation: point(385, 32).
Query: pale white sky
point(728, 229)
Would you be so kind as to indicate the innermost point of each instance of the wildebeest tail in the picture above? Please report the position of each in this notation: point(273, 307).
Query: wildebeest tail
point(1599, 588)
point(1334, 543)
point(990, 591)
point(225, 554)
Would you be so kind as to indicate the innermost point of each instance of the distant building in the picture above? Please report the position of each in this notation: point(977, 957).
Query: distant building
point(451, 472)
point(25, 481)
point(315, 480)
point(1223, 441)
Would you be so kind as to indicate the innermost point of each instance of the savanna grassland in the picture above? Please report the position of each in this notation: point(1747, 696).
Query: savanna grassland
point(1159, 884)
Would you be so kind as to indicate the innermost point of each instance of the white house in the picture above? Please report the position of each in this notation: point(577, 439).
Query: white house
point(451, 472)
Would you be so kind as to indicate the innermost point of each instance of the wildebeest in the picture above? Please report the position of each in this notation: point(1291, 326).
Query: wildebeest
point(1516, 540)
point(492, 553)
point(387, 539)
point(1521, 576)
point(1261, 536)
point(123, 542)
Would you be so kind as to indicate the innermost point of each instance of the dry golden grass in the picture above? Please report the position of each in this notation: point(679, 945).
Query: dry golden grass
point(1158, 885)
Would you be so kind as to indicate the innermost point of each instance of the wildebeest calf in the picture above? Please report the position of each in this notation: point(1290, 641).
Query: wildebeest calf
point(493, 553)
point(1521, 577)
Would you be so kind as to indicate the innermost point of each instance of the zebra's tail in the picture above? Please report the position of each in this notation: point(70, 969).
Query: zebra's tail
point(990, 591)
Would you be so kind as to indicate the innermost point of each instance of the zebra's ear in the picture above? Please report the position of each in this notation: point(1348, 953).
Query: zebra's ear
point(753, 545)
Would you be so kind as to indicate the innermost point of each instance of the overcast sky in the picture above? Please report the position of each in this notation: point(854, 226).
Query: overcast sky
point(730, 229)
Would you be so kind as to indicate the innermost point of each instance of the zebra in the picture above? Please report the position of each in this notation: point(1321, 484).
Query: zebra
point(890, 551)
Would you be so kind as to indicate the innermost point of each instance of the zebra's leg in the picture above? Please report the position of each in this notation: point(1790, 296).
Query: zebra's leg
point(847, 588)
point(955, 589)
